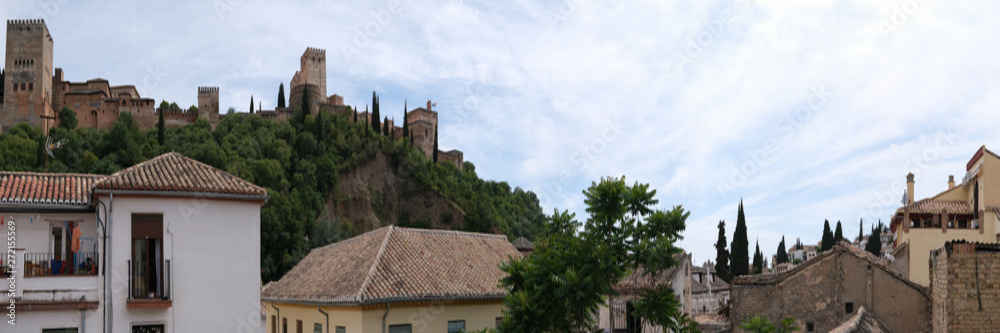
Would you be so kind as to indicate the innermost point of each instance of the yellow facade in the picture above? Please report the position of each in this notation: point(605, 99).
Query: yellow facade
point(421, 316)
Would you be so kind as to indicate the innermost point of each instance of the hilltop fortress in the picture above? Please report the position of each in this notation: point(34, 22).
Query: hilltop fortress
point(34, 91)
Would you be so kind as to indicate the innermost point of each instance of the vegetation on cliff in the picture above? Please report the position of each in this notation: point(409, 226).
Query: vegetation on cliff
point(298, 162)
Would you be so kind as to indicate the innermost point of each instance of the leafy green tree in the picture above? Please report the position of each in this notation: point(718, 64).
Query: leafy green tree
point(782, 255)
point(67, 118)
point(721, 254)
point(874, 245)
point(281, 95)
point(827, 242)
point(760, 324)
point(559, 286)
point(739, 260)
point(838, 234)
point(758, 261)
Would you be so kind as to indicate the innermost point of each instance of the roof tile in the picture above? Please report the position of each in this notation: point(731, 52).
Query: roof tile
point(173, 172)
point(46, 188)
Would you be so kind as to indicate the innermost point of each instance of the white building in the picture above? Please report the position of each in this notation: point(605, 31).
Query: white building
point(168, 245)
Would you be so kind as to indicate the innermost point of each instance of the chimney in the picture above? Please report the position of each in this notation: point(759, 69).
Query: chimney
point(951, 181)
point(428, 105)
point(909, 188)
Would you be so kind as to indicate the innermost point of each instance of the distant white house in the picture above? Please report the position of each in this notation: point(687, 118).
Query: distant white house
point(168, 245)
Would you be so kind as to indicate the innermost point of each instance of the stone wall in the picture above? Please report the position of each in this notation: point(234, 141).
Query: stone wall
point(966, 293)
point(28, 80)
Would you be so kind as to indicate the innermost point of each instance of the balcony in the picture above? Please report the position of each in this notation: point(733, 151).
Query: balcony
point(51, 264)
point(149, 285)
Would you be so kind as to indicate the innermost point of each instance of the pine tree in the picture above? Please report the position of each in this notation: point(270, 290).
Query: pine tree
point(758, 264)
point(374, 116)
point(406, 124)
point(827, 242)
point(782, 255)
point(251, 104)
point(739, 259)
point(721, 254)
point(435, 144)
point(874, 245)
point(281, 95)
point(838, 235)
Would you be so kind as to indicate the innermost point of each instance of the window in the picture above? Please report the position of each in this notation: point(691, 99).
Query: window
point(147, 329)
point(31, 86)
point(317, 328)
point(147, 255)
point(284, 325)
point(341, 329)
point(22, 85)
point(405, 328)
point(298, 326)
point(60, 330)
point(499, 320)
point(456, 326)
point(810, 327)
point(849, 307)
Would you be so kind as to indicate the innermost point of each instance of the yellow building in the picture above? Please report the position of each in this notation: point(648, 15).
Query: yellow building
point(964, 211)
point(393, 280)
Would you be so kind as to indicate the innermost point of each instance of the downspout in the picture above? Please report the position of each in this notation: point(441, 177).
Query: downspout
point(170, 278)
point(327, 315)
point(276, 319)
point(387, 306)
point(83, 320)
point(104, 254)
point(110, 308)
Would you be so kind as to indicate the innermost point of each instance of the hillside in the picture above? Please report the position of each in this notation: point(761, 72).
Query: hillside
point(328, 177)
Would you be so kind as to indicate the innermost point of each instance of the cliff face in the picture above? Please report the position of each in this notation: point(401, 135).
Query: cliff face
point(377, 194)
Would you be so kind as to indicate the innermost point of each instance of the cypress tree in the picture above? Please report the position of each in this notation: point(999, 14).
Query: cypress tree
point(3, 75)
point(758, 264)
point(838, 235)
point(385, 126)
point(374, 116)
point(281, 95)
point(355, 114)
point(406, 124)
point(827, 242)
point(782, 256)
point(161, 128)
point(435, 144)
point(739, 259)
point(861, 231)
point(251, 104)
point(721, 254)
point(874, 245)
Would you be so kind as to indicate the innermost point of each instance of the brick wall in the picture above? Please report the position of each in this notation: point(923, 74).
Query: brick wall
point(966, 289)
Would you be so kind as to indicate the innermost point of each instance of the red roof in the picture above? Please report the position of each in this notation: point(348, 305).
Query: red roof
point(46, 188)
point(173, 172)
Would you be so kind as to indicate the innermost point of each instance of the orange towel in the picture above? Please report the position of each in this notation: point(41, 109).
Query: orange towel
point(76, 239)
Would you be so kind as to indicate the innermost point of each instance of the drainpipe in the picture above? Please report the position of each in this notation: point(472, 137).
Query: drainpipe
point(387, 306)
point(110, 300)
point(104, 255)
point(83, 320)
point(276, 319)
point(327, 315)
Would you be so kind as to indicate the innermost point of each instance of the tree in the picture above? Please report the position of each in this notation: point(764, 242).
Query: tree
point(874, 245)
point(838, 235)
point(721, 254)
point(406, 124)
point(67, 118)
point(161, 129)
point(739, 259)
point(559, 286)
point(281, 95)
point(760, 324)
point(758, 263)
point(355, 114)
point(374, 116)
point(385, 126)
point(435, 144)
point(782, 255)
point(827, 242)
point(861, 230)
point(251, 104)
point(3, 75)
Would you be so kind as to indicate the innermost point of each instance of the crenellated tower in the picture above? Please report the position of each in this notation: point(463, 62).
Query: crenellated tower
point(28, 76)
point(313, 69)
point(208, 103)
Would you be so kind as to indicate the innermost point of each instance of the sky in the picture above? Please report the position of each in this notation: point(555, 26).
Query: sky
point(804, 110)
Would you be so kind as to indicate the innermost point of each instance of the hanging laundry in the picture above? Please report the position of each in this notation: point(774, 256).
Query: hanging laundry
point(76, 238)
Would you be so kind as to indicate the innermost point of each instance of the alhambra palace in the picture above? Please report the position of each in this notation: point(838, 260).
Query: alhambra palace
point(33, 92)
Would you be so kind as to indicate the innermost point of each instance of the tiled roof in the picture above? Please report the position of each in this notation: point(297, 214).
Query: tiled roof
point(863, 321)
point(29, 188)
point(933, 206)
point(393, 263)
point(522, 243)
point(638, 280)
point(173, 172)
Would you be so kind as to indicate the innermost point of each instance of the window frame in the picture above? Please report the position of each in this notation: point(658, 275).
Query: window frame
point(460, 321)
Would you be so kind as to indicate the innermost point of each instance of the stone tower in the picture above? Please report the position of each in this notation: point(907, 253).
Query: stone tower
point(208, 103)
point(28, 80)
point(313, 69)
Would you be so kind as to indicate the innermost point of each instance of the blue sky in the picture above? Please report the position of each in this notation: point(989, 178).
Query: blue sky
point(805, 110)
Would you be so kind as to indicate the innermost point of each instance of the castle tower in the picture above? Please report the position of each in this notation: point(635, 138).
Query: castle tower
point(313, 70)
point(208, 103)
point(28, 78)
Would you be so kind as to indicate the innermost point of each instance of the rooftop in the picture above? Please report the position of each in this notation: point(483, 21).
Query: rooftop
point(173, 172)
point(20, 188)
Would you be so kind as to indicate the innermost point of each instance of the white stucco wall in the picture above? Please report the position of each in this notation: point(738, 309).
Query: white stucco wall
point(35, 321)
point(214, 250)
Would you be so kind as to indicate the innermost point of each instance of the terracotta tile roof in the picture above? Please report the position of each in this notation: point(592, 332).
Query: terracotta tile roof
point(394, 263)
point(932, 206)
point(173, 172)
point(29, 188)
point(638, 280)
point(523, 244)
point(863, 321)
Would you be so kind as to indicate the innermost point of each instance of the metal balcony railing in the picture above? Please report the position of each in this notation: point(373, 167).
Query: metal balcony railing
point(51, 264)
point(144, 290)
